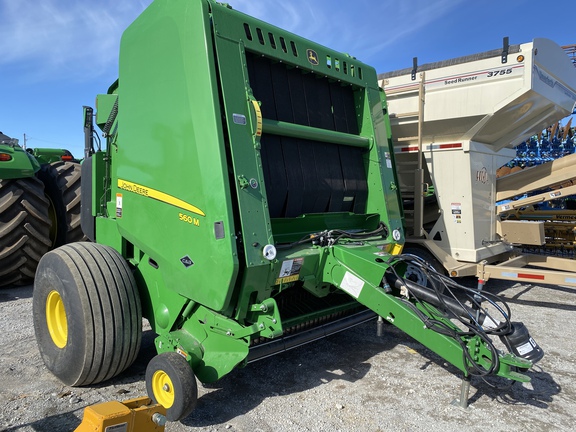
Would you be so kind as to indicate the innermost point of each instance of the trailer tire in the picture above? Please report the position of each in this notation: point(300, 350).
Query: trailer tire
point(87, 313)
point(62, 186)
point(414, 273)
point(24, 229)
point(170, 382)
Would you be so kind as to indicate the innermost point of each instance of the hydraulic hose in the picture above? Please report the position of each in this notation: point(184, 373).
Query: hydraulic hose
point(445, 303)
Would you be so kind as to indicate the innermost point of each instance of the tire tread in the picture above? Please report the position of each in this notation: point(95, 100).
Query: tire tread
point(24, 229)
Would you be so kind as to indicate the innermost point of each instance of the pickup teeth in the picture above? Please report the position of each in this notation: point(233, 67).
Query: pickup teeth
point(296, 302)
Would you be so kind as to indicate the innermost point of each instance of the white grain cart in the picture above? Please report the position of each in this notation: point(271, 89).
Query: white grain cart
point(454, 123)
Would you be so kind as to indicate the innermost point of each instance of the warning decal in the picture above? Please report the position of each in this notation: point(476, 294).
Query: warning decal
point(456, 212)
point(118, 205)
point(290, 270)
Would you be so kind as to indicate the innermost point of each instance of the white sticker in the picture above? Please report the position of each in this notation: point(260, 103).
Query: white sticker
point(286, 269)
point(118, 205)
point(352, 284)
point(489, 323)
point(525, 349)
point(456, 212)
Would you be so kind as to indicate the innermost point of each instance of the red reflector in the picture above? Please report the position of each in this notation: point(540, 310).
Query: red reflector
point(450, 146)
point(530, 276)
point(409, 149)
point(5, 157)
point(66, 158)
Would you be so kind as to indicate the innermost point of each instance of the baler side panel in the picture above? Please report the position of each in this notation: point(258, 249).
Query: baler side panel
point(170, 189)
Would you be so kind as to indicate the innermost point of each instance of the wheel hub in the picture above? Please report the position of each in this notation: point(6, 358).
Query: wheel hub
point(56, 319)
point(415, 274)
point(163, 389)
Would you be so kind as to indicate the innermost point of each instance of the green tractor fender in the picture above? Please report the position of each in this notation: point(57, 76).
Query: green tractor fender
point(51, 155)
point(15, 162)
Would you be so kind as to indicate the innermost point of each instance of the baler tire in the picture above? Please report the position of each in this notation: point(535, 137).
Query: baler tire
point(87, 313)
point(170, 382)
point(414, 270)
point(62, 186)
point(24, 229)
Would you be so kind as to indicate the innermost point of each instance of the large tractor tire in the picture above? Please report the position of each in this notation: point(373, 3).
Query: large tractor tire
point(62, 186)
point(87, 313)
point(24, 229)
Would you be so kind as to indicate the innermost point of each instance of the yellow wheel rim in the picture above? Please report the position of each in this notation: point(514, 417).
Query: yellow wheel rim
point(163, 389)
point(56, 319)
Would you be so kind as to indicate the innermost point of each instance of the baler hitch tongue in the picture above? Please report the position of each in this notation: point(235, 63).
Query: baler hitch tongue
point(434, 315)
point(134, 415)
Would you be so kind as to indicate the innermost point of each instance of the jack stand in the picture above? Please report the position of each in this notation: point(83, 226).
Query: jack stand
point(380, 327)
point(481, 283)
point(464, 392)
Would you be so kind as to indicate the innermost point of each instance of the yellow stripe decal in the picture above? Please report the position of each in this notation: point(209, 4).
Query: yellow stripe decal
point(157, 195)
point(258, 118)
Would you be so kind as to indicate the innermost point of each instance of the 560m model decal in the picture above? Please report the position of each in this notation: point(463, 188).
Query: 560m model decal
point(157, 195)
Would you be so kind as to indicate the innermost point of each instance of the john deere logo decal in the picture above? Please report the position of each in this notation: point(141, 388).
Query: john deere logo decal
point(312, 57)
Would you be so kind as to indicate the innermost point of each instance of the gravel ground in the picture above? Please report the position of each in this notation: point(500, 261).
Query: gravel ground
point(352, 381)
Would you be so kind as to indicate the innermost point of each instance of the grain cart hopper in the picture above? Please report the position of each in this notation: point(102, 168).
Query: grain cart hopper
point(454, 124)
point(245, 204)
point(39, 206)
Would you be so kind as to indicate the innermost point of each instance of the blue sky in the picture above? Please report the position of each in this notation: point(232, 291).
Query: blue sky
point(56, 55)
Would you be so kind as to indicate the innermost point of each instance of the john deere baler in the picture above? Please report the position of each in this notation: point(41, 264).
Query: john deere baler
point(245, 203)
